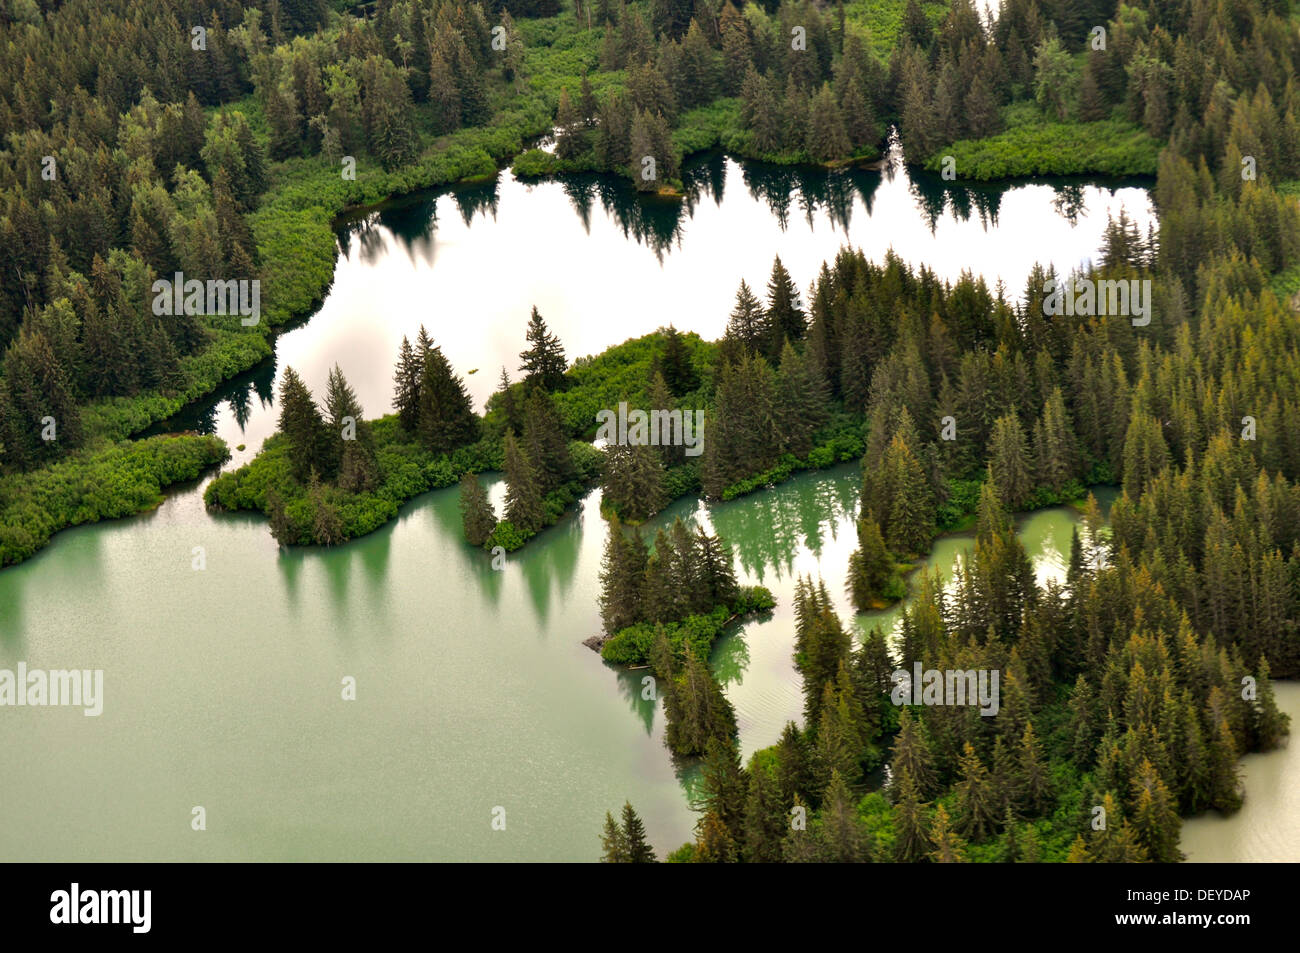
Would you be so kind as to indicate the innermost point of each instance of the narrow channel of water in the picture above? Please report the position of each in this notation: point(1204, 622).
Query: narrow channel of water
point(223, 685)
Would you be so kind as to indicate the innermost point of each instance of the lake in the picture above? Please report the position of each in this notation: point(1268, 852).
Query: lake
point(223, 685)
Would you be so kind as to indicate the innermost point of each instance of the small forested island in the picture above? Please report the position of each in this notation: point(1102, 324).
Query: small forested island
point(222, 141)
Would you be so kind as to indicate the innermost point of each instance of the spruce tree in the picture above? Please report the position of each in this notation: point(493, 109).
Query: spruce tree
point(407, 378)
point(614, 842)
point(661, 399)
point(1156, 823)
point(674, 363)
point(725, 784)
point(785, 317)
point(716, 577)
point(1033, 782)
point(638, 850)
point(622, 580)
point(523, 499)
point(826, 138)
point(703, 711)
point(871, 567)
point(800, 402)
point(948, 847)
point(446, 419)
point(1009, 462)
point(310, 448)
point(976, 811)
point(543, 362)
point(632, 481)
point(568, 128)
point(766, 820)
point(844, 839)
point(476, 514)
point(714, 844)
point(912, 839)
point(546, 442)
point(350, 434)
point(748, 323)
point(911, 754)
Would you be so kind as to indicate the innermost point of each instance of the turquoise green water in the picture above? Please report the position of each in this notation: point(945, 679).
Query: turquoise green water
point(223, 685)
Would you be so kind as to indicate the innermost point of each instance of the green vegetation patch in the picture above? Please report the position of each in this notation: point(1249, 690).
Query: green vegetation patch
point(107, 482)
point(1108, 147)
point(632, 645)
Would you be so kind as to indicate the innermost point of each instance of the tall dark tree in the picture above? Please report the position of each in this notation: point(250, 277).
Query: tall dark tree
point(310, 446)
point(476, 515)
point(543, 362)
point(674, 363)
point(638, 849)
point(408, 377)
point(523, 496)
point(446, 418)
point(785, 317)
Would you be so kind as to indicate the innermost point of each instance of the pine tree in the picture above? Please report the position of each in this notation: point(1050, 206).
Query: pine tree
point(544, 362)
point(622, 580)
point(614, 842)
point(674, 363)
point(912, 839)
point(748, 323)
point(546, 442)
point(409, 374)
point(1033, 784)
point(310, 448)
point(871, 567)
point(911, 754)
point(976, 811)
point(1156, 822)
point(948, 847)
point(632, 481)
point(1009, 462)
point(784, 316)
point(765, 818)
point(725, 784)
point(523, 499)
point(826, 138)
point(476, 514)
point(446, 418)
point(638, 850)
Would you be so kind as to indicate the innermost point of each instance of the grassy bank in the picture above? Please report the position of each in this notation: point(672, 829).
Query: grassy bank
point(107, 481)
point(1029, 146)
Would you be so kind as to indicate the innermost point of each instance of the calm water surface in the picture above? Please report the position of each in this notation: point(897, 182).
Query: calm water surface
point(222, 686)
